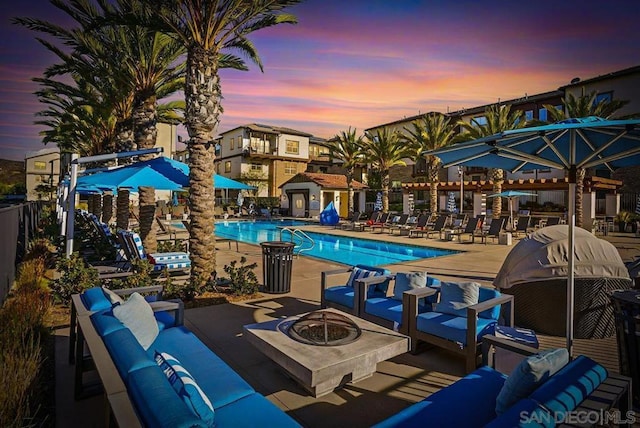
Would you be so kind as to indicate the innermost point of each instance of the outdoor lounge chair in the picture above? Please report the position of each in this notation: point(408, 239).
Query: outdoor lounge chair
point(174, 261)
point(377, 223)
point(346, 297)
point(418, 228)
point(438, 226)
point(469, 229)
point(402, 221)
point(522, 225)
point(387, 311)
point(391, 220)
point(458, 330)
point(496, 226)
point(552, 221)
point(359, 225)
point(348, 223)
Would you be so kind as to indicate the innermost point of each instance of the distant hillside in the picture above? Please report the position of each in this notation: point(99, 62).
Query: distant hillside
point(11, 172)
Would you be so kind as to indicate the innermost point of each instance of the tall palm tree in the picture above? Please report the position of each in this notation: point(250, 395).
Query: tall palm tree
point(432, 132)
point(207, 29)
point(583, 106)
point(497, 118)
point(347, 147)
point(384, 149)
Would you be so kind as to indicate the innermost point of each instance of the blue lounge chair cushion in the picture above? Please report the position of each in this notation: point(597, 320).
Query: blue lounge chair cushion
point(488, 294)
point(137, 316)
point(105, 323)
point(451, 327)
point(172, 265)
point(167, 257)
point(186, 387)
point(530, 374)
point(342, 294)
point(570, 386)
point(94, 299)
point(218, 381)
point(242, 413)
point(455, 297)
point(126, 352)
point(156, 401)
point(389, 309)
point(474, 393)
point(525, 412)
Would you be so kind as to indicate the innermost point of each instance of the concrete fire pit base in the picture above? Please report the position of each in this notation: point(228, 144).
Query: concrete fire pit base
point(321, 369)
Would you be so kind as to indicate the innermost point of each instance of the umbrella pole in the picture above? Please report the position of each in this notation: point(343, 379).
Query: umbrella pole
point(571, 219)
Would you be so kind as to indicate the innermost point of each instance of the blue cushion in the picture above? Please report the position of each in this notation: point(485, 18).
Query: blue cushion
point(455, 297)
point(95, 300)
point(451, 327)
point(126, 352)
point(571, 385)
point(474, 393)
point(525, 413)
point(341, 294)
point(488, 294)
point(156, 401)
point(532, 372)
point(253, 411)
point(164, 319)
point(137, 316)
point(408, 281)
point(389, 309)
point(105, 323)
point(186, 387)
point(218, 381)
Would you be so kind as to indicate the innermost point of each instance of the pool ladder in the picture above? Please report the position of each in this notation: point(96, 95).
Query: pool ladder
point(299, 238)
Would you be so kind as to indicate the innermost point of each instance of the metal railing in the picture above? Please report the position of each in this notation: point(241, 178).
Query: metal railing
point(302, 239)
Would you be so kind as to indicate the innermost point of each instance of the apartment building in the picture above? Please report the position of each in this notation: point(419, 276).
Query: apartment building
point(267, 156)
point(42, 169)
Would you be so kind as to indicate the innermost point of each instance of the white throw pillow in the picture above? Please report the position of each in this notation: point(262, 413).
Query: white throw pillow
point(137, 316)
point(113, 297)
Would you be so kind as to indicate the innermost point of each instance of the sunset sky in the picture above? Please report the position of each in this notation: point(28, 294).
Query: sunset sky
point(362, 63)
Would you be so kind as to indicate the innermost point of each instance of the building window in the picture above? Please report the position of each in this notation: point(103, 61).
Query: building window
point(40, 165)
point(232, 143)
point(528, 115)
point(290, 168)
point(227, 166)
point(542, 114)
point(479, 121)
point(293, 147)
point(603, 97)
point(255, 167)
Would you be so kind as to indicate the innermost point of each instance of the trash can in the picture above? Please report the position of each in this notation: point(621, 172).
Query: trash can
point(277, 261)
point(627, 317)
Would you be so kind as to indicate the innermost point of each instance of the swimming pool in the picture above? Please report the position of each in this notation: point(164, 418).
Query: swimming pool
point(341, 249)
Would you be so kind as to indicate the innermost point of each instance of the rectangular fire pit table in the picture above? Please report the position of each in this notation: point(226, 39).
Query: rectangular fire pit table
point(321, 369)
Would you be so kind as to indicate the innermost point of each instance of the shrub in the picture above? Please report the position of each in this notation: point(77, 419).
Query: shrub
point(243, 278)
point(75, 277)
point(31, 275)
point(43, 249)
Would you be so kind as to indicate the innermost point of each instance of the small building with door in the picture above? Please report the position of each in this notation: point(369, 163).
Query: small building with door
point(306, 194)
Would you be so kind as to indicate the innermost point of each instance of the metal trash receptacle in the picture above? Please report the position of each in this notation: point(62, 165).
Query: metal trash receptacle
point(627, 317)
point(277, 262)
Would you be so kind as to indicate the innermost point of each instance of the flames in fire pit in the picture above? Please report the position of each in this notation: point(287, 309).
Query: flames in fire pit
point(324, 328)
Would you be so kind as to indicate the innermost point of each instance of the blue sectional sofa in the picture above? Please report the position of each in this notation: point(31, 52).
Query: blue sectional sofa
point(151, 394)
point(471, 401)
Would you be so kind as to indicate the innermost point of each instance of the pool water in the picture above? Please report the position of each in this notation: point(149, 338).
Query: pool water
point(340, 249)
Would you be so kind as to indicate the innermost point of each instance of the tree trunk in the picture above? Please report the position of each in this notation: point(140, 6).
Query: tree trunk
point(122, 210)
point(124, 136)
point(350, 192)
point(385, 180)
point(147, 215)
point(433, 187)
point(202, 96)
point(497, 176)
point(144, 128)
point(579, 196)
point(107, 207)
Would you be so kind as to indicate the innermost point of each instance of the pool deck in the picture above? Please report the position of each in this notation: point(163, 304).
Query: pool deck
point(398, 383)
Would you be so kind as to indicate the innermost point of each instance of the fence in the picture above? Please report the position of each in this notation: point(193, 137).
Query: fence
point(19, 224)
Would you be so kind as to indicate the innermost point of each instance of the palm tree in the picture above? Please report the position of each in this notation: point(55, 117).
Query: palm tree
point(583, 106)
point(432, 132)
point(498, 118)
point(347, 148)
point(384, 150)
point(208, 30)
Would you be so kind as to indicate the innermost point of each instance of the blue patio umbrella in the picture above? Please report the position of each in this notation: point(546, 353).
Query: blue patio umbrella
point(568, 145)
point(511, 194)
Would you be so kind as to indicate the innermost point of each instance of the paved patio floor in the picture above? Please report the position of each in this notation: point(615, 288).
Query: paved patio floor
point(398, 383)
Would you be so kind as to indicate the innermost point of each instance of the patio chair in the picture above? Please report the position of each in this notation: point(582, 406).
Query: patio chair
point(522, 225)
point(378, 223)
point(496, 226)
point(465, 312)
point(438, 226)
point(402, 221)
point(174, 261)
point(345, 297)
point(418, 228)
point(348, 223)
point(391, 220)
point(359, 225)
point(388, 311)
point(552, 221)
point(469, 229)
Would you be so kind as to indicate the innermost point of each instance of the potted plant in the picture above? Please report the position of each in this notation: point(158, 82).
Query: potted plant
point(634, 219)
point(622, 218)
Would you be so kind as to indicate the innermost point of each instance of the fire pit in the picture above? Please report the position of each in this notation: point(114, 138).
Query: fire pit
point(324, 328)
